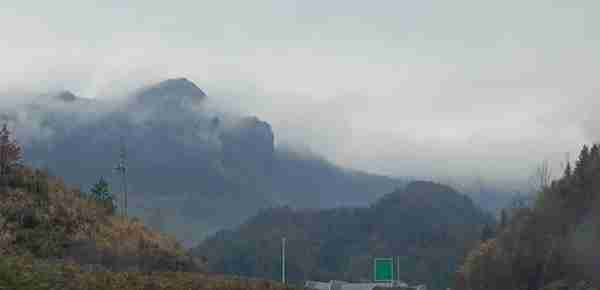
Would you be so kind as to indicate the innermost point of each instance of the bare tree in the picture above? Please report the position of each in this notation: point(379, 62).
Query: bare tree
point(542, 176)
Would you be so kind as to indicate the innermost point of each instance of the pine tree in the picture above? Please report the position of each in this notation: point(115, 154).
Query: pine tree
point(594, 153)
point(567, 173)
point(593, 172)
point(101, 193)
point(582, 163)
point(10, 154)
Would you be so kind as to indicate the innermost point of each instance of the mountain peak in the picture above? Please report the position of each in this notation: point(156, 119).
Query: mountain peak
point(66, 96)
point(179, 83)
point(429, 187)
point(176, 87)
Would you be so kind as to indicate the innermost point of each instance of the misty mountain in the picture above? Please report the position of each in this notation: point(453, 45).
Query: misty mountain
point(66, 96)
point(201, 169)
point(172, 89)
point(428, 225)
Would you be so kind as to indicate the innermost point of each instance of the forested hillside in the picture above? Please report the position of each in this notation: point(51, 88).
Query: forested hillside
point(43, 217)
point(553, 244)
point(430, 226)
point(55, 237)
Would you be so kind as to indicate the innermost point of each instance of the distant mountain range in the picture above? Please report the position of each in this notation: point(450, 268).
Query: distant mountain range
point(191, 169)
point(428, 225)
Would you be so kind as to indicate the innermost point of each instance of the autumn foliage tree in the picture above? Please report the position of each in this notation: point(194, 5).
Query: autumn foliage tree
point(10, 154)
point(552, 242)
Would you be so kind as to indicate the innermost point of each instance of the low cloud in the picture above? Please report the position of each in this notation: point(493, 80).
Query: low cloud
point(426, 89)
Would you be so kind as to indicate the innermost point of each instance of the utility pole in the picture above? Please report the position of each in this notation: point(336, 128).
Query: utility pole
point(283, 240)
point(122, 170)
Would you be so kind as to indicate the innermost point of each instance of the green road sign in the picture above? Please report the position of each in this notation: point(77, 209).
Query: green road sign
point(384, 269)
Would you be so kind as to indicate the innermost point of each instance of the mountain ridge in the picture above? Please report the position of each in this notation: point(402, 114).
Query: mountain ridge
point(188, 157)
point(174, 88)
point(431, 226)
point(66, 96)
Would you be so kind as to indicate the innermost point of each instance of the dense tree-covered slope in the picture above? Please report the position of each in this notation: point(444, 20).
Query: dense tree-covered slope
point(429, 226)
point(553, 243)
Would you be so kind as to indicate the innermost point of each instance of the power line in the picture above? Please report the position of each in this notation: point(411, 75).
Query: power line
point(122, 169)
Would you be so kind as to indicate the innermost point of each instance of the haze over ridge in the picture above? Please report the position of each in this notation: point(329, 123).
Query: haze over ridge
point(405, 89)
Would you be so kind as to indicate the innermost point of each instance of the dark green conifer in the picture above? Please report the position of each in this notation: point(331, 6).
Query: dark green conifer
point(567, 173)
point(101, 193)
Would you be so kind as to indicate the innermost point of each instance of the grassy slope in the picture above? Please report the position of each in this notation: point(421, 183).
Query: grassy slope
point(54, 237)
point(31, 274)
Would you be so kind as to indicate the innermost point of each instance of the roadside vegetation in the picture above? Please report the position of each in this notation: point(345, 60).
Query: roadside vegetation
point(56, 237)
point(550, 244)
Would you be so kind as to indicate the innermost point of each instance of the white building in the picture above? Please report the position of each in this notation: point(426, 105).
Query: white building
point(341, 285)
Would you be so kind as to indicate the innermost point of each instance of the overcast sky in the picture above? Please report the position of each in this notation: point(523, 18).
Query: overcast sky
point(422, 88)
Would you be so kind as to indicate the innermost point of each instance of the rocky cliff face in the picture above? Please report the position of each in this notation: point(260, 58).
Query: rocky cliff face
point(249, 144)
